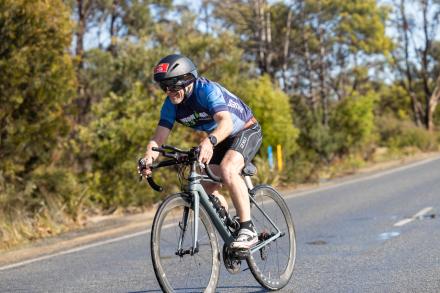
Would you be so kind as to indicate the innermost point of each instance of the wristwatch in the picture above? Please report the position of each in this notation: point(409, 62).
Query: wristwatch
point(212, 139)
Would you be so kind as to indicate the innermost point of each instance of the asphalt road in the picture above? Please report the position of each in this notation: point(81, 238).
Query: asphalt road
point(378, 233)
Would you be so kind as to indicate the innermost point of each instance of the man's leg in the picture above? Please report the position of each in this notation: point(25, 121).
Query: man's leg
point(213, 188)
point(230, 168)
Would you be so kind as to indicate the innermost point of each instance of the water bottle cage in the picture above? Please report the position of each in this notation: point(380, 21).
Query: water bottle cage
point(221, 211)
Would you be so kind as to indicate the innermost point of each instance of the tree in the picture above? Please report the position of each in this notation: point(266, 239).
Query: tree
point(37, 83)
point(413, 56)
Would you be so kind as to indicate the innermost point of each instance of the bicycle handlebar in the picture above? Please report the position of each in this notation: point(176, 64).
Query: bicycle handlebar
point(178, 157)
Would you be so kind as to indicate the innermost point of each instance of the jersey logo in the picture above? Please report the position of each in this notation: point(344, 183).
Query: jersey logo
point(235, 105)
point(192, 119)
point(161, 68)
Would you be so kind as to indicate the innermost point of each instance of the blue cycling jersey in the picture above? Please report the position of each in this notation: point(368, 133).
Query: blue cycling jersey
point(198, 109)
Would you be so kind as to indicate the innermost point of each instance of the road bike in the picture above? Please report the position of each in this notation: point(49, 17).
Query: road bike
point(184, 245)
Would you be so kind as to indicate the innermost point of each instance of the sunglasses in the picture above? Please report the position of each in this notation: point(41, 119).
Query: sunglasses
point(170, 87)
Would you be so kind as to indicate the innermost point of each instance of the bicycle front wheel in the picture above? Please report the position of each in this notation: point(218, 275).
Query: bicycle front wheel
point(272, 265)
point(177, 266)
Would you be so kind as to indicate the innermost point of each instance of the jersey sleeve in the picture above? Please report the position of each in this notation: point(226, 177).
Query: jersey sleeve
point(211, 97)
point(167, 114)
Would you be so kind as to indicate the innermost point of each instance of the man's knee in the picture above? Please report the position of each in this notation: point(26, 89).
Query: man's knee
point(229, 173)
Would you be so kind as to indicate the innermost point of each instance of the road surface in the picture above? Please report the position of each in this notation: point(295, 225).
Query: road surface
point(377, 233)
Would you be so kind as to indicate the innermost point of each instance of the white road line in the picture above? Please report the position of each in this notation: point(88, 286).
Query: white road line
point(422, 212)
point(403, 222)
point(73, 250)
point(416, 216)
point(80, 248)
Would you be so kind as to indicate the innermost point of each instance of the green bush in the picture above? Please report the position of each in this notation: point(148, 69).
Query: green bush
point(37, 85)
point(398, 134)
point(352, 123)
point(271, 107)
point(303, 167)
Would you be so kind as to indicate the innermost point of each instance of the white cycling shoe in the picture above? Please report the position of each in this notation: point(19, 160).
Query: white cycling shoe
point(246, 239)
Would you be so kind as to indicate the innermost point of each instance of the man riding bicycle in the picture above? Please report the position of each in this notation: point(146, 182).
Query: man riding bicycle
point(234, 135)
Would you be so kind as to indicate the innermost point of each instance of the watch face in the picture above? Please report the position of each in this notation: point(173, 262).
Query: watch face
point(213, 139)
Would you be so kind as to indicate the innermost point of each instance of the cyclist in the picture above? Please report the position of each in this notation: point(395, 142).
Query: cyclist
point(234, 135)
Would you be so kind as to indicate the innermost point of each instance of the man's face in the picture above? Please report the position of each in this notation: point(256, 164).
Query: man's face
point(176, 97)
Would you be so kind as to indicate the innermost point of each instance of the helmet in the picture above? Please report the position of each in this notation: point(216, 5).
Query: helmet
point(176, 70)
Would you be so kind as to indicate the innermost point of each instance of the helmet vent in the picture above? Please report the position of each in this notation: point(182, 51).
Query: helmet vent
point(174, 67)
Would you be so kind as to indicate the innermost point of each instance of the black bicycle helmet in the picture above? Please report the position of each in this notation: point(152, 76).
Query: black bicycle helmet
point(175, 69)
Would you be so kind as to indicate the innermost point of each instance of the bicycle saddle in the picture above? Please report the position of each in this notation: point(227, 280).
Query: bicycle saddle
point(249, 170)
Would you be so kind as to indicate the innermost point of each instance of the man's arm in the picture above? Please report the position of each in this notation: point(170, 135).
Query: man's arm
point(224, 125)
point(223, 130)
point(159, 138)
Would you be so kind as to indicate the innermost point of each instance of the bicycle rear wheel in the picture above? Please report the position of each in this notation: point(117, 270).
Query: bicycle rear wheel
point(182, 271)
point(272, 265)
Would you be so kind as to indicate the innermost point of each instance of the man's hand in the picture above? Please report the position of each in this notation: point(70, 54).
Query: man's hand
point(206, 151)
point(144, 166)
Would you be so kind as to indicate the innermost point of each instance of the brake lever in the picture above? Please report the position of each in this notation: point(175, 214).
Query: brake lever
point(142, 166)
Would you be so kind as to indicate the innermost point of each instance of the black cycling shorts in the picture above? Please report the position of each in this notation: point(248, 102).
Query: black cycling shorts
point(247, 142)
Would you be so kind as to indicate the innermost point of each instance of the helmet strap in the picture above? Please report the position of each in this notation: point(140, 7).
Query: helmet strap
point(187, 92)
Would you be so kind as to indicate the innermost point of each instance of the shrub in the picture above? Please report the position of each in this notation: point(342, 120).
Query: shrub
point(352, 123)
point(271, 107)
point(398, 134)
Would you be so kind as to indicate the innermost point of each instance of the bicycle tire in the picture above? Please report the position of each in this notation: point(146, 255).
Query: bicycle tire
point(264, 271)
point(190, 263)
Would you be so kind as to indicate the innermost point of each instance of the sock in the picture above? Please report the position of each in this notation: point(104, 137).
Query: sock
point(247, 225)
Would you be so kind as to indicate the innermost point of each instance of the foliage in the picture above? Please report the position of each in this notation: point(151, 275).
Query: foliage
point(394, 101)
point(36, 82)
point(315, 141)
point(265, 175)
point(123, 125)
point(271, 108)
point(400, 134)
point(352, 122)
point(36, 86)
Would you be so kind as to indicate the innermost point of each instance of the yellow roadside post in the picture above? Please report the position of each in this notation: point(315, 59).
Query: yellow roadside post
point(279, 158)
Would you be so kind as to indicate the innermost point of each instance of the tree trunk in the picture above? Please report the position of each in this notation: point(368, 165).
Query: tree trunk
point(113, 30)
point(309, 92)
point(263, 35)
point(322, 76)
point(268, 47)
point(433, 102)
point(417, 112)
point(286, 48)
point(79, 51)
point(425, 70)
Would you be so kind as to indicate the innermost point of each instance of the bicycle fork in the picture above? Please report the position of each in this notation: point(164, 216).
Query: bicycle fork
point(183, 225)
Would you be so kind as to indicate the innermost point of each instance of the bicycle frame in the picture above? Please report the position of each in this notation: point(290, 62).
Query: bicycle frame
point(199, 196)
